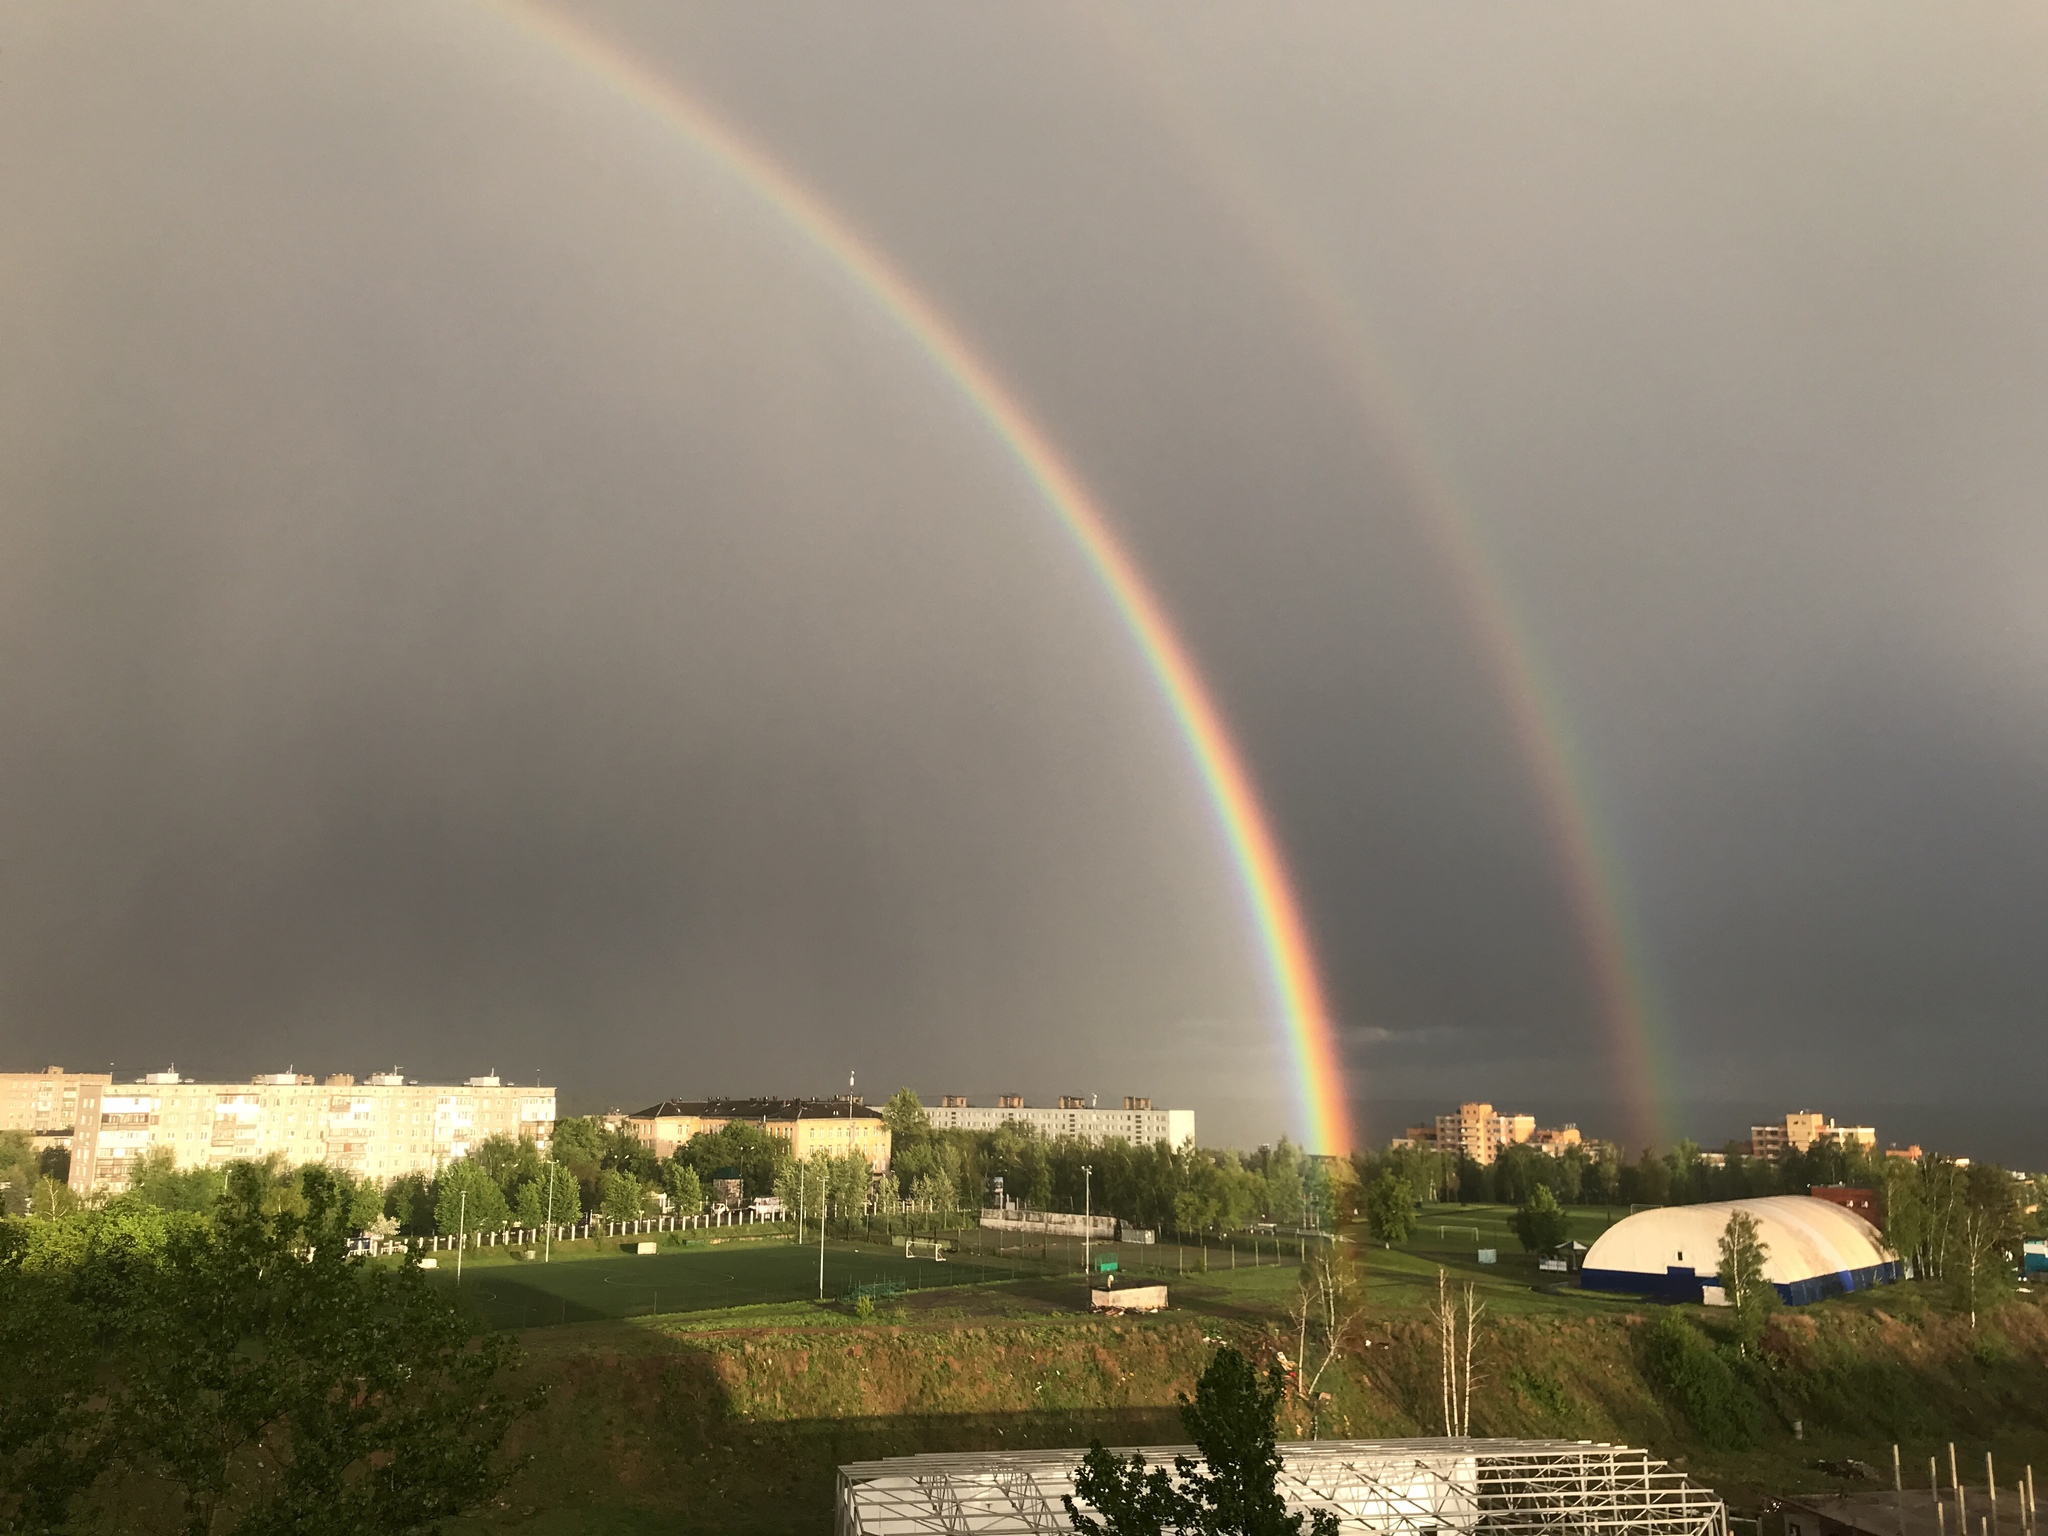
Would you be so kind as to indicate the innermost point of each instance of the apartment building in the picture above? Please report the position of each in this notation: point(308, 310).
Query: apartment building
point(51, 1106)
point(382, 1127)
point(1077, 1116)
point(49, 1102)
point(1480, 1132)
point(1477, 1131)
point(1801, 1130)
point(832, 1126)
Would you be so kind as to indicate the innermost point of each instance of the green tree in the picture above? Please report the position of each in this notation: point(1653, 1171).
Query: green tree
point(1750, 1295)
point(251, 1369)
point(509, 1160)
point(740, 1145)
point(549, 1194)
point(51, 1198)
point(849, 1179)
point(468, 1198)
point(685, 1190)
point(409, 1201)
point(1540, 1222)
point(1981, 1262)
point(1905, 1208)
point(620, 1196)
point(1232, 1490)
point(18, 1172)
point(1390, 1208)
point(904, 1115)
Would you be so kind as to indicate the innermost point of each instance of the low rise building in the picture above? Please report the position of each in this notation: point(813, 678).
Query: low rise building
point(380, 1128)
point(833, 1126)
point(1801, 1131)
point(1077, 1116)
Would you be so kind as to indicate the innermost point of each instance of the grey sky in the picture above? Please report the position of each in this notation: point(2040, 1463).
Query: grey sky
point(475, 590)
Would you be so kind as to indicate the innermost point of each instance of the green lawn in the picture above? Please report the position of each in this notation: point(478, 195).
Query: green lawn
point(603, 1281)
point(592, 1280)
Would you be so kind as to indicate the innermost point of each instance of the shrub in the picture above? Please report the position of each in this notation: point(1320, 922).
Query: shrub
point(1715, 1400)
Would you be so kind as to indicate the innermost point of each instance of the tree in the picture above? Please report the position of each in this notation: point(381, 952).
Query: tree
point(740, 1145)
point(904, 1115)
point(18, 1172)
point(1980, 1263)
point(1540, 1222)
point(51, 1198)
point(1905, 1209)
point(620, 1196)
point(1233, 1490)
point(550, 1194)
point(248, 1366)
point(409, 1201)
point(1457, 1331)
point(509, 1160)
point(1749, 1294)
point(1390, 1208)
point(468, 1199)
point(1326, 1311)
point(685, 1189)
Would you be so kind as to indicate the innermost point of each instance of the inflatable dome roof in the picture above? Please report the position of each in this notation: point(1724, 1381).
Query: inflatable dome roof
point(1812, 1248)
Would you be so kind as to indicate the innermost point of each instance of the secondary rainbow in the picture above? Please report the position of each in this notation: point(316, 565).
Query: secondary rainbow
point(1297, 993)
point(1594, 877)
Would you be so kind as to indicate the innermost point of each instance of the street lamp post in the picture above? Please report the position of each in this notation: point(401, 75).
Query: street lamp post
point(1087, 1216)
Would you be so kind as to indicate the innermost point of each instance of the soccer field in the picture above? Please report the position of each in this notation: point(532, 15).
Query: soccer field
point(695, 1280)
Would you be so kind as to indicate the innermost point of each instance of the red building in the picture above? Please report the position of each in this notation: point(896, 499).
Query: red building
point(1864, 1202)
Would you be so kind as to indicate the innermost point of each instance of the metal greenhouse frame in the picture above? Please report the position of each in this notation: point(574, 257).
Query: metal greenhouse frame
point(1386, 1487)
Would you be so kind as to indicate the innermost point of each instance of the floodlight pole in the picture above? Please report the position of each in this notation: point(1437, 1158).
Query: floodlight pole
point(461, 1226)
point(547, 1228)
point(821, 1234)
point(1088, 1215)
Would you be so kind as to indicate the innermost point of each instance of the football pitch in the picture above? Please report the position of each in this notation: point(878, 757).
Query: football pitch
point(586, 1289)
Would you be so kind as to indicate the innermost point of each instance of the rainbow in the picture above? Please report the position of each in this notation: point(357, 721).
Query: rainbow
point(1592, 873)
point(1297, 994)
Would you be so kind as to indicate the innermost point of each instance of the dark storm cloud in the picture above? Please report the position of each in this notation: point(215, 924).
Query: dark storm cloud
point(473, 586)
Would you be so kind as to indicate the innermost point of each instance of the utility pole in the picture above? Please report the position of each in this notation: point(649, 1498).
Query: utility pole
point(1088, 1216)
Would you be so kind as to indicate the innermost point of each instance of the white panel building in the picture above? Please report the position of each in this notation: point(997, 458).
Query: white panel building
point(1137, 1121)
point(380, 1128)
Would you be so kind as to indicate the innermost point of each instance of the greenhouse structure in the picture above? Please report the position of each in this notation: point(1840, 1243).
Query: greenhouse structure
point(1389, 1487)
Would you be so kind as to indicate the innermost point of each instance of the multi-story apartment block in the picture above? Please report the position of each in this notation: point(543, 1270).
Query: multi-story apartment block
point(382, 1127)
point(53, 1106)
point(833, 1126)
point(1480, 1132)
point(1801, 1130)
point(47, 1103)
point(1077, 1116)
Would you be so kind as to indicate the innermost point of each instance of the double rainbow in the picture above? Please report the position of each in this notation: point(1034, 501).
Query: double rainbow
point(1296, 988)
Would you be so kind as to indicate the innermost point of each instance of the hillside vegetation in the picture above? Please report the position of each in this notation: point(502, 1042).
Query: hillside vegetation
point(736, 1420)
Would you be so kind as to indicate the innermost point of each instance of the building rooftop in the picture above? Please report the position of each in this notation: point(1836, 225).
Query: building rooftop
point(1386, 1487)
point(760, 1109)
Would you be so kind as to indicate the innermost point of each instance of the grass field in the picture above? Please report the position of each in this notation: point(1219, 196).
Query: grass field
point(730, 1409)
point(597, 1280)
